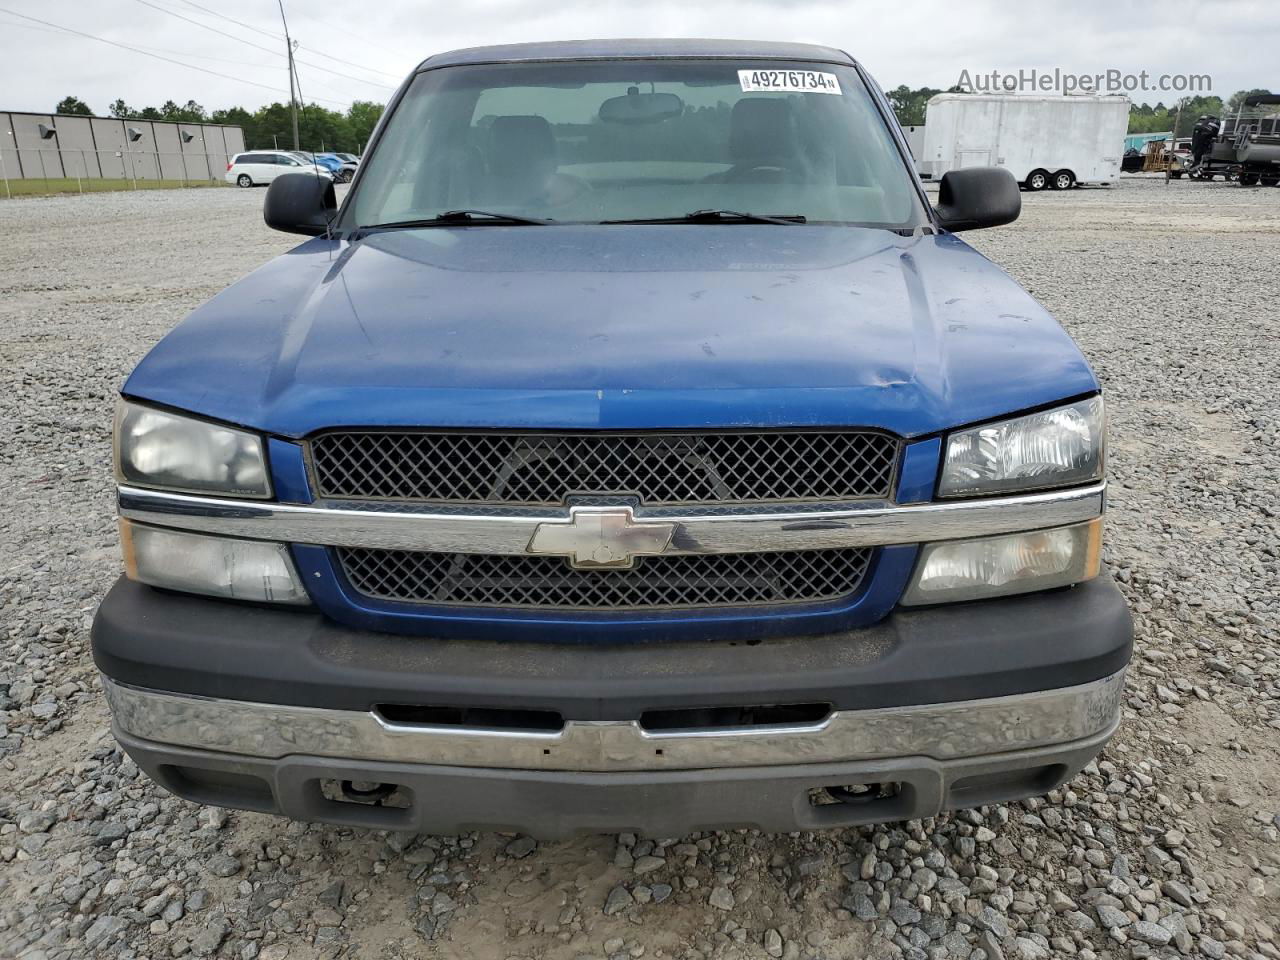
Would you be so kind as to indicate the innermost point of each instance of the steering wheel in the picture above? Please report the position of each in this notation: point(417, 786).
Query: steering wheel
point(565, 188)
point(743, 172)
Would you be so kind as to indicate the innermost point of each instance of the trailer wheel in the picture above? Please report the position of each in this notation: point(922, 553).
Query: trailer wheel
point(1037, 180)
point(1248, 179)
point(1270, 181)
point(1063, 180)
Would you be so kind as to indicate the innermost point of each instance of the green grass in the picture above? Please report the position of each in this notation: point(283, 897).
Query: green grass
point(40, 187)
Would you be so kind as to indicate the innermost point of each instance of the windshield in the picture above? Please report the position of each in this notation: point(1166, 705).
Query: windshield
point(593, 141)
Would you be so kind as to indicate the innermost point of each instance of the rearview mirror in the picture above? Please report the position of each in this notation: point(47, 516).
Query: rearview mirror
point(977, 197)
point(300, 203)
point(637, 107)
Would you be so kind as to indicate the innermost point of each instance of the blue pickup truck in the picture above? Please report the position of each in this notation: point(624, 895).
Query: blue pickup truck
point(636, 447)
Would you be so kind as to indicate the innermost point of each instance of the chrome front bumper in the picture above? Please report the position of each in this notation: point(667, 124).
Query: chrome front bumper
point(941, 732)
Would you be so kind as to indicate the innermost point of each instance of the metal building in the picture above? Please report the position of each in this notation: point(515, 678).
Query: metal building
point(37, 146)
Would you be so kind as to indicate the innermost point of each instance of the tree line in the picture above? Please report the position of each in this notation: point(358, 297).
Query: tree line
point(1148, 119)
point(322, 129)
point(319, 128)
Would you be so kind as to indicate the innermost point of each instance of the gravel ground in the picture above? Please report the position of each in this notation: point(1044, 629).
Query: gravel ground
point(1168, 845)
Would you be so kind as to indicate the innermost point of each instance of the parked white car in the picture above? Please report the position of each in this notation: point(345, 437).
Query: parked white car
point(263, 166)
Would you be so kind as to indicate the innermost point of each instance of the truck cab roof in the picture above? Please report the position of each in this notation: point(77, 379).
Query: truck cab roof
point(636, 49)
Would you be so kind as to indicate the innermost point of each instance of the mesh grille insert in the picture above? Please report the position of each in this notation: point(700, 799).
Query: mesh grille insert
point(676, 581)
point(659, 468)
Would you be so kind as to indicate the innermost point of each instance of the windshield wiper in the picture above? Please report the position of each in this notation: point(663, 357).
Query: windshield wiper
point(453, 218)
point(719, 216)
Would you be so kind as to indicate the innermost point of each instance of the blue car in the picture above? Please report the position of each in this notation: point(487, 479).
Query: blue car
point(326, 161)
point(636, 448)
point(347, 165)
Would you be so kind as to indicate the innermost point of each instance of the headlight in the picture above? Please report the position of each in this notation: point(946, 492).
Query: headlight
point(1055, 448)
point(155, 448)
point(998, 566)
point(216, 566)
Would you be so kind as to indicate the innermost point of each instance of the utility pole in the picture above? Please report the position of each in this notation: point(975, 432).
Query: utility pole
point(293, 100)
point(1173, 143)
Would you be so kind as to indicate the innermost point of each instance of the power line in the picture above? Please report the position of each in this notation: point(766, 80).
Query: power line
point(247, 26)
point(239, 63)
point(125, 46)
point(276, 36)
point(156, 56)
point(258, 46)
point(143, 46)
point(346, 31)
point(27, 26)
point(346, 76)
point(329, 56)
point(201, 56)
point(198, 56)
point(222, 33)
point(297, 78)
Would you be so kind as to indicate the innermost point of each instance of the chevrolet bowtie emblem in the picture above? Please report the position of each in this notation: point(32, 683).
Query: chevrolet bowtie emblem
point(601, 537)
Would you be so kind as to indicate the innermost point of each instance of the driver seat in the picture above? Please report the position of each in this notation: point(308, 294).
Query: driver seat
point(762, 141)
point(521, 159)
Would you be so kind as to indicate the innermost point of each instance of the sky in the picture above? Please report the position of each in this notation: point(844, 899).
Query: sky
point(360, 49)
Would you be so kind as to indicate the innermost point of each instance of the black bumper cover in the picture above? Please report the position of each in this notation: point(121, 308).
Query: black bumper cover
point(191, 645)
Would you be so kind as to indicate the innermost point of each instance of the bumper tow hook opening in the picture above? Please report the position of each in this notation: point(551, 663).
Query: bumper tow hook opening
point(362, 791)
point(859, 794)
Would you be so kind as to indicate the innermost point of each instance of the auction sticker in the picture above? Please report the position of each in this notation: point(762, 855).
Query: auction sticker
point(788, 81)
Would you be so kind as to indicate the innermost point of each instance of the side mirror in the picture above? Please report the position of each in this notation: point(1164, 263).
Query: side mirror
point(300, 203)
point(977, 197)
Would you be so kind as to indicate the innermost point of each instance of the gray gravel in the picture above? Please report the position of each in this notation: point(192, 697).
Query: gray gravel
point(1168, 845)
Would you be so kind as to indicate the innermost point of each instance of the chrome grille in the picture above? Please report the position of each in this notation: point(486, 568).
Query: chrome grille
point(657, 468)
point(662, 582)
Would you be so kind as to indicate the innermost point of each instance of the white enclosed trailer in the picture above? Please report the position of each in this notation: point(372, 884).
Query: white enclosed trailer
point(1044, 141)
point(915, 142)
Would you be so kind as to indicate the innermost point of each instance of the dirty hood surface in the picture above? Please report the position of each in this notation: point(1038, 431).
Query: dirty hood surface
point(616, 327)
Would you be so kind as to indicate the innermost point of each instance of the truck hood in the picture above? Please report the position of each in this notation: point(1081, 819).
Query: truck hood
point(615, 327)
